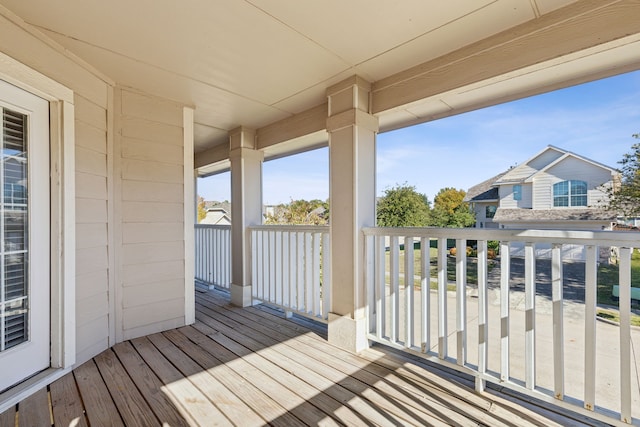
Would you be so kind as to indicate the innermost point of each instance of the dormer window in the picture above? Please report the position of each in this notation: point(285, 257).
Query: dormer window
point(570, 193)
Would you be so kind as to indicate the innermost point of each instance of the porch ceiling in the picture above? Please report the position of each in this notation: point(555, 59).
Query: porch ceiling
point(256, 62)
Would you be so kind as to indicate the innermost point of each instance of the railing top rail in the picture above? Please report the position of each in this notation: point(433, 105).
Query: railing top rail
point(296, 228)
point(214, 226)
point(583, 237)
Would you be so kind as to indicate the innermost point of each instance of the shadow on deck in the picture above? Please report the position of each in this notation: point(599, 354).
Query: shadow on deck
point(251, 367)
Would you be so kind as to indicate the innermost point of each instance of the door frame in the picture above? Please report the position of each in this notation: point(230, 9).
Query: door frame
point(62, 223)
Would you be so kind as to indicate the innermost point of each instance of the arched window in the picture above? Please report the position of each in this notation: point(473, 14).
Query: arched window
point(570, 193)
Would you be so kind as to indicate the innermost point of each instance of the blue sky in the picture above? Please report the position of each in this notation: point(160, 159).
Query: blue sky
point(595, 120)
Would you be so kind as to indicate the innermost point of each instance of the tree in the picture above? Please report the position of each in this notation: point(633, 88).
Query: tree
point(624, 195)
point(300, 212)
point(403, 206)
point(202, 212)
point(449, 210)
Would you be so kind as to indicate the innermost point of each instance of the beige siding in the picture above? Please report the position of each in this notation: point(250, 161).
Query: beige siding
point(92, 223)
point(150, 154)
point(506, 197)
point(569, 169)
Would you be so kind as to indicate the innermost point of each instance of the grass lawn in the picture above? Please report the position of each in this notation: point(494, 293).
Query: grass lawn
point(608, 276)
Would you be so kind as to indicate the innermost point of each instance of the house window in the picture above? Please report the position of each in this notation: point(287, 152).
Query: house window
point(517, 192)
point(490, 211)
point(570, 193)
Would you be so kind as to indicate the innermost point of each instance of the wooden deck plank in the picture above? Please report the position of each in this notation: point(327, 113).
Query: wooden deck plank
point(230, 404)
point(8, 417)
point(66, 403)
point(377, 389)
point(34, 410)
point(133, 408)
point(187, 340)
point(193, 400)
point(100, 409)
point(251, 366)
point(151, 387)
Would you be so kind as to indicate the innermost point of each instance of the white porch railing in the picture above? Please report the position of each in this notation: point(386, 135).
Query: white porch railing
point(521, 333)
point(290, 268)
point(213, 255)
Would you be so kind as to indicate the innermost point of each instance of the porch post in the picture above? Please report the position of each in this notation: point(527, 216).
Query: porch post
point(352, 144)
point(246, 209)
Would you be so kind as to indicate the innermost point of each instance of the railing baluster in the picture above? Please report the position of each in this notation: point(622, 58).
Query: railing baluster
point(461, 301)
point(625, 333)
point(505, 276)
point(394, 270)
point(409, 291)
point(326, 276)
point(483, 308)
point(293, 295)
point(300, 270)
point(442, 298)
point(425, 297)
point(558, 322)
point(591, 287)
point(381, 297)
point(530, 315)
point(315, 274)
point(277, 266)
point(308, 270)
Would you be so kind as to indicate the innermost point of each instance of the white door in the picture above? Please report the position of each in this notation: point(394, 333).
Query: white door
point(24, 235)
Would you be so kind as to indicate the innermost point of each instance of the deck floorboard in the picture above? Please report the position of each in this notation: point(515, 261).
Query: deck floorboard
point(253, 367)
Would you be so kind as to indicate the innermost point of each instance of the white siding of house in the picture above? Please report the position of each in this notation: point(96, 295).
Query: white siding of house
point(506, 197)
point(91, 94)
point(149, 157)
point(569, 169)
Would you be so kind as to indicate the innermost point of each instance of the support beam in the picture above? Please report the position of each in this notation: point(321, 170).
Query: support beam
point(246, 209)
point(352, 137)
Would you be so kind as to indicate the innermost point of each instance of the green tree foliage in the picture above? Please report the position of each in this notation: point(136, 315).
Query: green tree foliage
point(202, 213)
point(449, 210)
point(403, 206)
point(624, 196)
point(300, 212)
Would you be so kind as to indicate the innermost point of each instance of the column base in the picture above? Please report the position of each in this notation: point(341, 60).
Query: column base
point(241, 295)
point(347, 333)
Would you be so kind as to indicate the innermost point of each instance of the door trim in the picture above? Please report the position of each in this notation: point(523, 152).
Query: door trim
point(62, 222)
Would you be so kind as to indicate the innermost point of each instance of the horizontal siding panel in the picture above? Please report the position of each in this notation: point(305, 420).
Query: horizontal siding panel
point(137, 274)
point(144, 253)
point(139, 170)
point(152, 191)
point(92, 335)
point(149, 314)
point(91, 235)
point(91, 138)
point(152, 212)
point(91, 211)
point(91, 259)
point(151, 293)
point(152, 232)
point(92, 283)
point(90, 186)
point(152, 131)
point(152, 151)
point(92, 307)
point(91, 162)
point(151, 108)
point(90, 113)
point(33, 52)
point(164, 325)
point(87, 353)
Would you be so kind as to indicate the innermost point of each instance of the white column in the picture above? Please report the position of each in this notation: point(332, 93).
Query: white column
point(352, 138)
point(246, 209)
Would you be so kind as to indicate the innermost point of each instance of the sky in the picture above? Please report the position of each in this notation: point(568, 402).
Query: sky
point(595, 120)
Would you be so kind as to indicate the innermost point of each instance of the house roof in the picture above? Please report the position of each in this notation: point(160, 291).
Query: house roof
point(541, 215)
point(485, 191)
point(267, 65)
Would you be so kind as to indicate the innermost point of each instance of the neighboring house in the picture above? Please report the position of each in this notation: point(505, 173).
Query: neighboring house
point(554, 189)
point(218, 213)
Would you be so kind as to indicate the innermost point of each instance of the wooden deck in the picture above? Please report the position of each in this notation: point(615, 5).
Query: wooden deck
point(251, 367)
